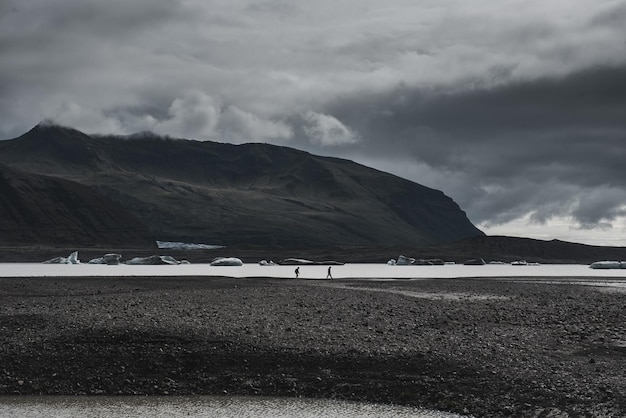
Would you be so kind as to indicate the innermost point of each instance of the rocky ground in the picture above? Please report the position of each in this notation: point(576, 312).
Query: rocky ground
point(483, 347)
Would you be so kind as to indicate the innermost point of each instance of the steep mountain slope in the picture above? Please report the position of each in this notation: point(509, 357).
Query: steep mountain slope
point(38, 209)
point(251, 194)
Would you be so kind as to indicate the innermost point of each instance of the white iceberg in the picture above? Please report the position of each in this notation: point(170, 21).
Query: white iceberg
point(410, 261)
point(295, 262)
point(304, 262)
point(475, 262)
point(174, 245)
point(56, 260)
point(404, 261)
point(71, 259)
point(109, 259)
point(227, 261)
point(608, 265)
point(153, 260)
point(429, 262)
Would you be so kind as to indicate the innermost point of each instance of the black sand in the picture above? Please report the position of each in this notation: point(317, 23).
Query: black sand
point(476, 346)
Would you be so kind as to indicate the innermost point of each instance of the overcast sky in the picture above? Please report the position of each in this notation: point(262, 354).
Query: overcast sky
point(514, 108)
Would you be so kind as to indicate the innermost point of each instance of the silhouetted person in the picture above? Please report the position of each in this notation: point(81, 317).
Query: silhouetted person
point(297, 272)
point(328, 275)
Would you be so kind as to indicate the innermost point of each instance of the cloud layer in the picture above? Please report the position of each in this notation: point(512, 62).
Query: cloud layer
point(513, 108)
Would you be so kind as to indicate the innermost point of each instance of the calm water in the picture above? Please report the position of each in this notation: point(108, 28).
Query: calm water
point(199, 406)
point(347, 271)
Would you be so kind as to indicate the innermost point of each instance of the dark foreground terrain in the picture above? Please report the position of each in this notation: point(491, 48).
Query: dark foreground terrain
point(474, 346)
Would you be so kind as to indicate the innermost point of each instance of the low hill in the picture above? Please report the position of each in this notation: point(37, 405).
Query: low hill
point(508, 249)
point(242, 195)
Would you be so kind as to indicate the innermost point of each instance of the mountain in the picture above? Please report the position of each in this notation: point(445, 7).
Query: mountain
point(53, 211)
point(251, 194)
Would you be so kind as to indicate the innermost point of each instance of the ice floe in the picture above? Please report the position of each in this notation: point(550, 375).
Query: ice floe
point(608, 265)
point(153, 260)
point(227, 261)
point(109, 259)
point(71, 259)
point(174, 245)
point(409, 261)
point(475, 262)
point(304, 262)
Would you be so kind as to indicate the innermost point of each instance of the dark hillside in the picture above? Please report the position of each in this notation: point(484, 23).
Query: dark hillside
point(251, 194)
point(37, 209)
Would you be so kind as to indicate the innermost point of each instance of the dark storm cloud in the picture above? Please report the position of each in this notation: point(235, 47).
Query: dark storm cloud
point(613, 16)
point(536, 146)
point(600, 206)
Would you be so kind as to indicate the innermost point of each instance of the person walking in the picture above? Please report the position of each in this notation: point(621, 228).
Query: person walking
point(297, 272)
point(328, 275)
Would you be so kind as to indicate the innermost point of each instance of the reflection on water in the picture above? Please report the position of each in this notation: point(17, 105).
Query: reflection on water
point(199, 406)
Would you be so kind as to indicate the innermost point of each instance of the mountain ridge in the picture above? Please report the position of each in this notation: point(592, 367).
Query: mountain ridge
point(249, 194)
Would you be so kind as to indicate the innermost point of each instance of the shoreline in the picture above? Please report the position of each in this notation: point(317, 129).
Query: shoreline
point(496, 348)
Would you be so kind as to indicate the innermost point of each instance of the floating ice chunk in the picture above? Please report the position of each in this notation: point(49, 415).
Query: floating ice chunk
point(475, 262)
point(168, 259)
point(304, 262)
point(71, 259)
point(227, 261)
point(153, 260)
point(186, 246)
point(295, 262)
point(404, 261)
point(429, 262)
point(409, 261)
point(607, 265)
point(56, 260)
point(110, 259)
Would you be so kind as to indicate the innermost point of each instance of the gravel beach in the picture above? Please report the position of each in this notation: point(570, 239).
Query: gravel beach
point(481, 347)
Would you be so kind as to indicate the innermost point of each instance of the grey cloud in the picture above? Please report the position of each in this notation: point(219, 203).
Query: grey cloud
point(526, 146)
point(40, 24)
point(281, 8)
point(599, 206)
point(613, 16)
point(512, 108)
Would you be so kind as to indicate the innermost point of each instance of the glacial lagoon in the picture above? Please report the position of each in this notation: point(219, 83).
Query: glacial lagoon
point(579, 272)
